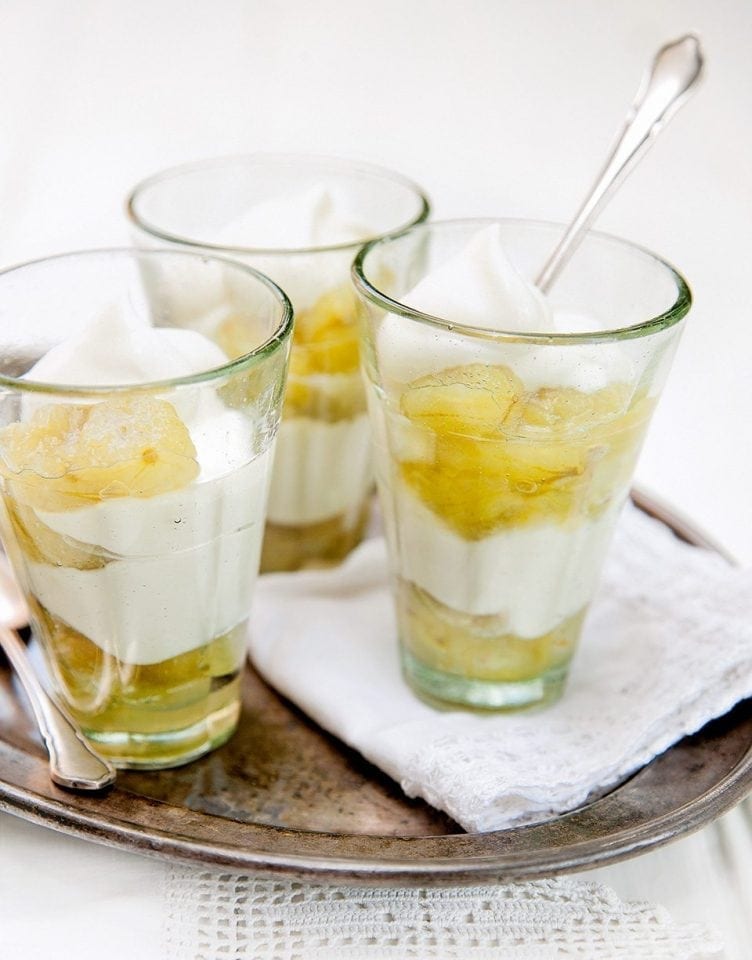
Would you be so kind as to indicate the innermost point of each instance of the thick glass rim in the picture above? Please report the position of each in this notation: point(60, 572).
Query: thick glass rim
point(289, 159)
point(668, 318)
point(246, 361)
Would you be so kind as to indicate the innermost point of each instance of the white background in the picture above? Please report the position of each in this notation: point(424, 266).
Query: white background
point(497, 107)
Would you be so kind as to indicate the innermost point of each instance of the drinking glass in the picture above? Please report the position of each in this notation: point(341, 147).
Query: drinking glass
point(323, 475)
point(503, 458)
point(133, 511)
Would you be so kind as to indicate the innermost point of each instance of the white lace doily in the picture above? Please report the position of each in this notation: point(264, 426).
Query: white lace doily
point(222, 916)
point(667, 646)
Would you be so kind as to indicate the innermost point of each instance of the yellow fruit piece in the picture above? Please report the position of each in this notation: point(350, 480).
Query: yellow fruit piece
point(339, 354)
point(475, 501)
point(41, 544)
point(334, 309)
point(565, 410)
point(530, 465)
point(496, 456)
point(323, 380)
point(471, 400)
point(325, 337)
point(68, 455)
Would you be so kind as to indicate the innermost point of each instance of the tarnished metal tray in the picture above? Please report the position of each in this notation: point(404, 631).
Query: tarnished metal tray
point(283, 796)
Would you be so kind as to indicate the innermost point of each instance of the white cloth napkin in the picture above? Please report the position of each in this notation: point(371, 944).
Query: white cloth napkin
point(212, 915)
point(667, 646)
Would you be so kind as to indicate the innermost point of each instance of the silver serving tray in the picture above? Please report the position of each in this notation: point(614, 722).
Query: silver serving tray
point(285, 797)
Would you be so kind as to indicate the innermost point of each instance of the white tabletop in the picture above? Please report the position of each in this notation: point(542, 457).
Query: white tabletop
point(497, 107)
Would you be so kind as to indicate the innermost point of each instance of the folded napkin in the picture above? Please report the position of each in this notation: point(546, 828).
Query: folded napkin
point(213, 914)
point(667, 646)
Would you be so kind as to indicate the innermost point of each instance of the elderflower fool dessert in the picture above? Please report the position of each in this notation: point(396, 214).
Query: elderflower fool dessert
point(134, 516)
point(299, 220)
point(507, 429)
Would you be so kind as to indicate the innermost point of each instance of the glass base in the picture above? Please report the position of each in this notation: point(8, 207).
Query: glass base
point(290, 547)
point(448, 691)
point(157, 751)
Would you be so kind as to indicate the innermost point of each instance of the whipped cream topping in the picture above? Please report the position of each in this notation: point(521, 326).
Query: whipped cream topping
point(480, 287)
point(294, 224)
point(310, 218)
point(113, 349)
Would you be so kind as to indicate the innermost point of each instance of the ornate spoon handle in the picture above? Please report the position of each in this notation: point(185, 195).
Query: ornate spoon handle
point(73, 763)
point(668, 84)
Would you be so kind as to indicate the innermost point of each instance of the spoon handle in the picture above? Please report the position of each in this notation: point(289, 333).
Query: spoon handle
point(73, 763)
point(668, 84)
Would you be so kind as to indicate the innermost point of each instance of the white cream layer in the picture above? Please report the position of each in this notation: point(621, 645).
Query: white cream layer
point(188, 560)
point(321, 470)
point(534, 576)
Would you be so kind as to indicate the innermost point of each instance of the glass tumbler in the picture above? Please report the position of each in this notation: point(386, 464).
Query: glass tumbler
point(300, 220)
point(133, 505)
point(503, 458)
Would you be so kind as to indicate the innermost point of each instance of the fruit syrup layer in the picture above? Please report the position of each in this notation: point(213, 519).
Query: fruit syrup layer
point(108, 694)
point(487, 455)
point(292, 547)
point(478, 647)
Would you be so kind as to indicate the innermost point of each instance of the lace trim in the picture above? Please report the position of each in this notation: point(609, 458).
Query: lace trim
point(214, 916)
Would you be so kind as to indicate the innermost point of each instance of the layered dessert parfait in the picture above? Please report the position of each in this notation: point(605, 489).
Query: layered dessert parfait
point(135, 520)
point(323, 474)
point(301, 221)
point(503, 464)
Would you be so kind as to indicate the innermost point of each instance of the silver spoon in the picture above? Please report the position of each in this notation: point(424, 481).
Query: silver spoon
point(667, 85)
point(73, 763)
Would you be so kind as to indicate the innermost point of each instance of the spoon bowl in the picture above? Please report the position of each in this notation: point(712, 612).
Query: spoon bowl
point(74, 765)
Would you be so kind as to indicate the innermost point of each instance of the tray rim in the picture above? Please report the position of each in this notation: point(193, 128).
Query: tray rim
point(57, 812)
point(586, 854)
